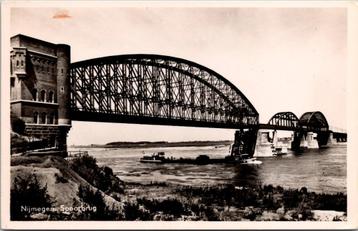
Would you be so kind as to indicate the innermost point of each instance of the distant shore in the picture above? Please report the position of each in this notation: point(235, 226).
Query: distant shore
point(148, 144)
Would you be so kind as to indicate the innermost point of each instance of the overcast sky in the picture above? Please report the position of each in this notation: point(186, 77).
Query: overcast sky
point(282, 59)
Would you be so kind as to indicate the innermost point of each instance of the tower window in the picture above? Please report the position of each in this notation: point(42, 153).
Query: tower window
point(43, 96)
point(22, 62)
point(36, 117)
point(51, 97)
point(55, 118)
point(43, 118)
point(17, 62)
point(51, 118)
point(34, 94)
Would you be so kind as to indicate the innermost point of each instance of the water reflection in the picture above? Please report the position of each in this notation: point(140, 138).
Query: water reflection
point(246, 175)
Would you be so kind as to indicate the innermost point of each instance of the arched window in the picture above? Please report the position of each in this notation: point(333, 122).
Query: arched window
point(51, 97)
point(51, 118)
point(55, 118)
point(43, 118)
point(36, 117)
point(34, 94)
point(43, 96)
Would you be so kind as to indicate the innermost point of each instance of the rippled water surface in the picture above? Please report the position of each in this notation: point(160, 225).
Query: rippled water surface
point(321, 170)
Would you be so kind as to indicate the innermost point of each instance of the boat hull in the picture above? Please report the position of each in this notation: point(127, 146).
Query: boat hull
point(151, 161)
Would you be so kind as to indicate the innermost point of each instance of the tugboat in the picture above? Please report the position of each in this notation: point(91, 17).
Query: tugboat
point(245, 159)
point(157, 157)
point(242, 158)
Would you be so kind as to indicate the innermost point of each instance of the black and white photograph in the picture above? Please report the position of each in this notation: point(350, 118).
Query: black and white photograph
point(177, 112)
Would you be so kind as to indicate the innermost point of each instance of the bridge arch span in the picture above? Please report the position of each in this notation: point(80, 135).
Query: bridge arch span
point(284, 119)
point(314, 121)
point(156, 89)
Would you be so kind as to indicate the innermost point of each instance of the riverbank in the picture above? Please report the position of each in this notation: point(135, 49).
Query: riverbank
point(81, 190)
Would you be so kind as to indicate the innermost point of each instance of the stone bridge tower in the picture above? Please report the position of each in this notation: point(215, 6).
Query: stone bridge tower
point(40, 88)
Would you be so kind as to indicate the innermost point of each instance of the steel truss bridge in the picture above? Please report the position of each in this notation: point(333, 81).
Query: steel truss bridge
point(309, 121)
point(156, 89)
point(165, 90)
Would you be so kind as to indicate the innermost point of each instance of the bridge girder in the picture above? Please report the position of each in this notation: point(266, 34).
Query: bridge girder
point(157, 88)
point(314, 121)
point(285, 119)
point(309, 121)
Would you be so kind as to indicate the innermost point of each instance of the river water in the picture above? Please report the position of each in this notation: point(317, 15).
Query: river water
point(319, 170)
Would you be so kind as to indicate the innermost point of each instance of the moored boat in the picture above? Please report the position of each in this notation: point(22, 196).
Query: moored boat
point(157, 157)
point(251, 161)
point(245, 159)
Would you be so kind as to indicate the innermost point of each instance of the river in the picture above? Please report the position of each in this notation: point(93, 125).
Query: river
point(319, 170)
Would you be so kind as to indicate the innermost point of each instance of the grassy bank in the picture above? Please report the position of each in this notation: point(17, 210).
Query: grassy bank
point(230, 203)
point(80, 182)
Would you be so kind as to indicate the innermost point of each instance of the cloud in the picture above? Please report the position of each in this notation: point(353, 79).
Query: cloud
point(62, 14)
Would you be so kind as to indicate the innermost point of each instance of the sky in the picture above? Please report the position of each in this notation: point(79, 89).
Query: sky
point(281, 59)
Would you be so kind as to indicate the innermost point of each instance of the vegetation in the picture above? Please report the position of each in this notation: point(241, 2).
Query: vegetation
point(17, 124)
point(269, 198)
point(169, 209)
point(100, 177)
point(266, 196)
point(27, 194)
point(21, 143)
point(94, 199)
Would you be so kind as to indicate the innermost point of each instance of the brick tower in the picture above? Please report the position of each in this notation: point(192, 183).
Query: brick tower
point(40, 88)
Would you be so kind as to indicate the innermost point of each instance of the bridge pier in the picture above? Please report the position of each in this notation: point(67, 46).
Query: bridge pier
point(322, 138)
point(297, 139)
point(311, 140)
point(245, 142)
point(302, 140)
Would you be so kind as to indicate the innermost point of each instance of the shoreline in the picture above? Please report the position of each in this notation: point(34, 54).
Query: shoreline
point(156, 144)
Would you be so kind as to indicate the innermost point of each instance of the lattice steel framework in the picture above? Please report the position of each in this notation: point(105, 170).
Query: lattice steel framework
point(156, 89)
point(314, 121)
point(285, 119)
point(309, 121)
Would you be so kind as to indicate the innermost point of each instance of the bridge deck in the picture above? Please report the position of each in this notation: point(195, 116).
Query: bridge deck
point(117, 118)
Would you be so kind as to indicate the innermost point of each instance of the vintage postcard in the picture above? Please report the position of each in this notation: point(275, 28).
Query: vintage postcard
point(167, 115)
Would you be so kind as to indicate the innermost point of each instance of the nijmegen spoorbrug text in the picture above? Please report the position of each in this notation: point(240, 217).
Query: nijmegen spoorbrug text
point(61, 208)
